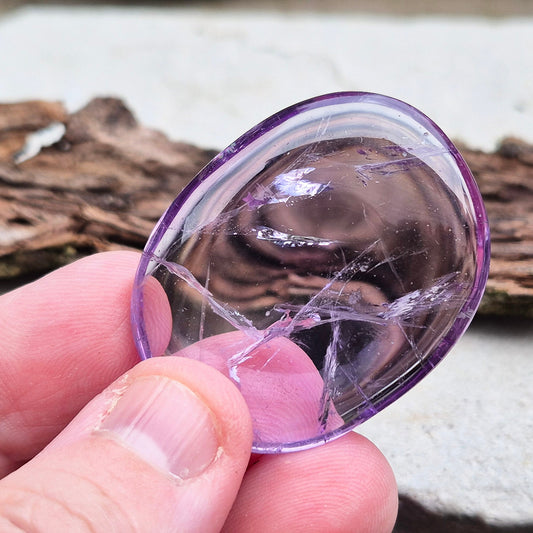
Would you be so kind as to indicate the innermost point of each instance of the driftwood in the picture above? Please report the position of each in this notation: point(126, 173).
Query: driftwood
point(505, 179)
point(105, 180)
point(102, 186)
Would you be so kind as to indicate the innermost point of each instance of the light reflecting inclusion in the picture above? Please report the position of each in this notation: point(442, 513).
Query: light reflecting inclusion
point(351, 254)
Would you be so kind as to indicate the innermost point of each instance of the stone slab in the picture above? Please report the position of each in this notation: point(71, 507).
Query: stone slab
point(461, 441)
point(206, 76)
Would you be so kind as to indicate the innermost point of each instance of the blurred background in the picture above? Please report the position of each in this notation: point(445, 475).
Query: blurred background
point(497, 8)
point(205, 72)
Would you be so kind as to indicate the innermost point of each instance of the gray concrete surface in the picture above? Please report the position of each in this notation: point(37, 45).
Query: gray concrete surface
point(461, 440)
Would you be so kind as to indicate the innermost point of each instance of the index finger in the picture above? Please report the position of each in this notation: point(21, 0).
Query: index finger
point(63, 339)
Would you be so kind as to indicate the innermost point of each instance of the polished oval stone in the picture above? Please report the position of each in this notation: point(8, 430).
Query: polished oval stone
point(324, 262)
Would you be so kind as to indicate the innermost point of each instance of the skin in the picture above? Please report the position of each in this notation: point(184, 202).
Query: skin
point(67, 357)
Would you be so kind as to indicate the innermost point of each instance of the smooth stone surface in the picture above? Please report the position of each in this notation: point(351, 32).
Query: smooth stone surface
point(461, 441)
point(207, 77)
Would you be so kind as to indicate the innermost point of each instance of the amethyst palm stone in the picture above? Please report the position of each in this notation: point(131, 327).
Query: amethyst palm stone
point(324, 262)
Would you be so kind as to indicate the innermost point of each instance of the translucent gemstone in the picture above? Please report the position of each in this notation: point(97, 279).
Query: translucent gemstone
point(324, 262)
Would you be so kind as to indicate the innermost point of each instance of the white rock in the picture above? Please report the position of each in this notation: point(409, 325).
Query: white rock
point(461, 440)
point(208, 76)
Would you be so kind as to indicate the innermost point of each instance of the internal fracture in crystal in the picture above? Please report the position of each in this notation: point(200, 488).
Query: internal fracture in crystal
point(331, 275)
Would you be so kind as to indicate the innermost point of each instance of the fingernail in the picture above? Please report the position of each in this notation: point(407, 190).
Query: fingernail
point(166, 424)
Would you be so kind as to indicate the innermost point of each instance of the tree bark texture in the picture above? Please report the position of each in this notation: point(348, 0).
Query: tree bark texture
point(75, 184)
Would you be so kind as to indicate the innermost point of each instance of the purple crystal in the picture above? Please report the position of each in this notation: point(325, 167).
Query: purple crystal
point(325, 262)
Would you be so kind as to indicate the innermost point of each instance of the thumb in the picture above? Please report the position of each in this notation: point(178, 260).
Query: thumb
point(162, 449)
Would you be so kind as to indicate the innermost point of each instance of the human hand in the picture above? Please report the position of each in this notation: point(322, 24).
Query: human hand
point(92, 440)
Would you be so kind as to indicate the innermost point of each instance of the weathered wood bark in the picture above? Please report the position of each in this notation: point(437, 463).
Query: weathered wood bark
point(505, 179)
point(105, 183)
point(101, 187)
